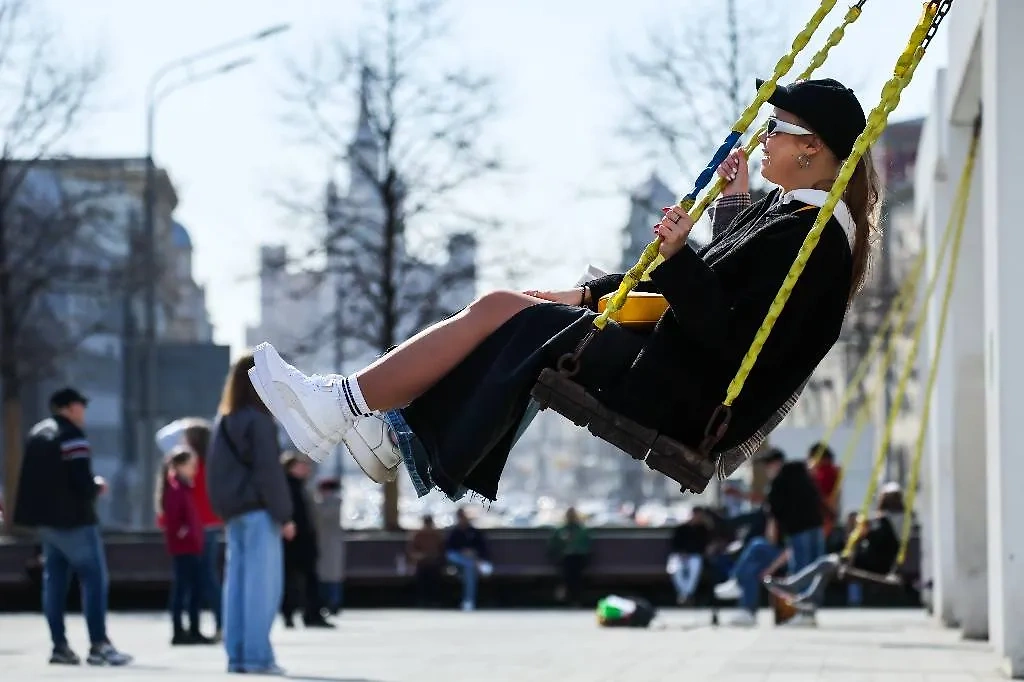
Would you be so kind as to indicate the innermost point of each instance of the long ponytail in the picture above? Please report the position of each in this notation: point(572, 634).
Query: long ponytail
point(863, 196)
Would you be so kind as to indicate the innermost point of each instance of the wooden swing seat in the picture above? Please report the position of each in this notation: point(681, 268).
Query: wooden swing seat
point(687, 466)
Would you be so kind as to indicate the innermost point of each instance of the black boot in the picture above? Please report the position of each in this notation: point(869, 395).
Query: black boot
point(317, 620)
point(197, 637)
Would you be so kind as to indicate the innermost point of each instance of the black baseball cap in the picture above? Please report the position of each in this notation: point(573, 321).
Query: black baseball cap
point(828, 107)
point(65, 397)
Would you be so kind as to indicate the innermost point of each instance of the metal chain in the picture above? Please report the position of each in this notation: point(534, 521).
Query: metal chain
point(940, 14)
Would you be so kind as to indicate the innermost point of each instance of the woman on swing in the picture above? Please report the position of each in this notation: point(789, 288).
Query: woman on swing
point(455, 394)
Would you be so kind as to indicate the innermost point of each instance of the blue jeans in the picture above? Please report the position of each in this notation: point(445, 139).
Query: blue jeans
point(756, 557)
point(252, 590)
point(803, 547)
point(467, 572)
point(331, 595)
point(186, 589)
point(210, 579)
point(79, 550)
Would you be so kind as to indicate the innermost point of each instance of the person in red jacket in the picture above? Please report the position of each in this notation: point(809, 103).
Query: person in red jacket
point(194, 432)
point(183, 533)
point(821, 462)
point(197, 438)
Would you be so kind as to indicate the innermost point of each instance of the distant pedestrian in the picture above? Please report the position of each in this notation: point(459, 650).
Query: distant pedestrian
point(57, 496)
point(331, 540)
point(194, 433)
point(183, 534)
point(248, 489)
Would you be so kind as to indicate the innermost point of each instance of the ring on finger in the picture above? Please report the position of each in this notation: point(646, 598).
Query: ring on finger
point(674, 217)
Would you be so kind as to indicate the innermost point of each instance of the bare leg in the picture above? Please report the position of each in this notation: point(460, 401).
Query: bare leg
point(405, 373)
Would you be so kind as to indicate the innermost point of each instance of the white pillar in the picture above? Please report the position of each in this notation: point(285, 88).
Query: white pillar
point(1003, 145)
point(966, 328)
point(941, 491)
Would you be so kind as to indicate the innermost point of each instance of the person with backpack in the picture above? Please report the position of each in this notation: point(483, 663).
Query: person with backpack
point(249, 491)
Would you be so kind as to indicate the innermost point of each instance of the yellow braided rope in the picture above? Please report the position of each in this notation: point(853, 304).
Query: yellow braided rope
point(905, 292)
point(915, 472)
point(864, 412)
point(954, 229)
point(782, 67)
point(898, 314)
point(902, 74)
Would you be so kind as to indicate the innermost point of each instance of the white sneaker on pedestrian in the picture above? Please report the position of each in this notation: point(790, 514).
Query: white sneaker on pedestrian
point(729, 590)
point(802, 620)
point(373, 446)
point(310, 408)
point(743, 619)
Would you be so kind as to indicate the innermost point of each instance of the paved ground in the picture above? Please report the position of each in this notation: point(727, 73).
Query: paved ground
point(406, 646)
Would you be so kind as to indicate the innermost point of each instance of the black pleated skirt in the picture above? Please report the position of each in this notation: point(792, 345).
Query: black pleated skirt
point(457, 436)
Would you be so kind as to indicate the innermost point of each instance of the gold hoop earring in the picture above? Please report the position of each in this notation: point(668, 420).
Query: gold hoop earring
point(803, 161)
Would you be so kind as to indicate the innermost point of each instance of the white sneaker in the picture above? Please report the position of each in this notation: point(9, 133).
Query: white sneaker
point(743, 619)
point(374, 447)
point(310, 408)
point(729, 590)
point(802, 620)
point(319, 453)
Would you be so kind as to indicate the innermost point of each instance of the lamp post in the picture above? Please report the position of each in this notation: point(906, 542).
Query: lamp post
point(154, 96)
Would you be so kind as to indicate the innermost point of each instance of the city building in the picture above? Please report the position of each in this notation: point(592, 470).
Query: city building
point(970, 495)
point(86, 314)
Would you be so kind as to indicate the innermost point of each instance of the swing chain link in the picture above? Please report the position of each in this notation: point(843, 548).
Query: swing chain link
point(943, 7)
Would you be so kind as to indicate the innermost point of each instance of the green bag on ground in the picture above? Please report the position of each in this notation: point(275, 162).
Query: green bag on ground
point(615, 611)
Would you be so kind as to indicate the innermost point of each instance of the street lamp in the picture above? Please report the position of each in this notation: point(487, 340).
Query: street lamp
point(154, 96)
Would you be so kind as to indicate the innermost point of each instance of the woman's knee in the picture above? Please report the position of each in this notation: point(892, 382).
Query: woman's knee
point(500, 305)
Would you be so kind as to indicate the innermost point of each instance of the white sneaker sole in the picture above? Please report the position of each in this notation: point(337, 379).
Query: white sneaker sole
point(284, 405)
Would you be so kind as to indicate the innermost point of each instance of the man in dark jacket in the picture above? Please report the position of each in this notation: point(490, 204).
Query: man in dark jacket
point(793, 508)
point(57, 497)
point(302, 551)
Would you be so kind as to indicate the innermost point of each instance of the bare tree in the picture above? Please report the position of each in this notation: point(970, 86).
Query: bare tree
point(692, 79)
point(417, 147)
point(49, 225)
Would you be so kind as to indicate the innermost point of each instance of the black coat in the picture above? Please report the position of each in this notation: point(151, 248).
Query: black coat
point(457, 435)
point(718, 298)
point(57, 487)
point(301, 551)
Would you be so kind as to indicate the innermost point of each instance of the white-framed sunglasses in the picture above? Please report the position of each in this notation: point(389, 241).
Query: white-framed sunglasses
point(776, 125)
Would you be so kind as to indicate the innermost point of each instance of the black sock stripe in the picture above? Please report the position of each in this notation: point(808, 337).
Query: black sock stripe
point(349, 399)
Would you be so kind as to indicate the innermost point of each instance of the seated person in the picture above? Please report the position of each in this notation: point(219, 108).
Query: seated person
point(569, 547)
point(793, 507)
point(466, 550)
point(690, 542)
point(876, 552)
point(455, 394)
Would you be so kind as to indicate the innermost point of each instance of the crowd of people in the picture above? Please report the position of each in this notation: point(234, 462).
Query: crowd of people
point(792, 531)
point(285, 548)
